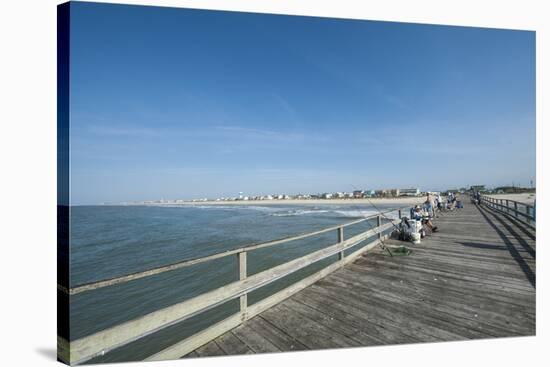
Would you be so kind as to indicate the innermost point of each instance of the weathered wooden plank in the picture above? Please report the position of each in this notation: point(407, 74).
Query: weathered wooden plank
point(500, 271)
point(254, 340)
point(193, 354)
point(330, 322)
point(450, 274)
point(511, 276)
point(452, 307)
point(433, 298)
point(376, 301)
point(409, 326)
point(513, 303)
point(355, 316)
point(210, 349)
point(468, 291)
point(230, 344)
point(456, 275)
point(440, 325)
point(340, 313)
point(307, 331)
point(475, 251)
point(274, 335)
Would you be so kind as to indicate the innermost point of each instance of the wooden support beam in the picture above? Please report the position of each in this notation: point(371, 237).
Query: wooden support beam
point(242, 276)
point(341, 255)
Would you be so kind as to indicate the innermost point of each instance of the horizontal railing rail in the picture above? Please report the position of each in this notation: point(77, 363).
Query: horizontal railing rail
point(522, 212)
point(99, 343)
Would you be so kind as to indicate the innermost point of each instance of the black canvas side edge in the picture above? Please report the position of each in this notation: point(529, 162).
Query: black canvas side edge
point(63, 210)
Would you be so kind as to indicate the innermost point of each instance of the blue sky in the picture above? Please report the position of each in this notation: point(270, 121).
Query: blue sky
point(177, 103)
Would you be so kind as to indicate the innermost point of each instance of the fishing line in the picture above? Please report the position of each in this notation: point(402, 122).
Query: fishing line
point(378, 210)
point(370, 226)
point(368, 222)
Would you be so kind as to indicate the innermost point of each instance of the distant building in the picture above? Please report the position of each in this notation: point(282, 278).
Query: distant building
point(511, 189)
point(477, 188)
point(387, 193)
point(413, 191)
point(358, 194)
point(326, 196)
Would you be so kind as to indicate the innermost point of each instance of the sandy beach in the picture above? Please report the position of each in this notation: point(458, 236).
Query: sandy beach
point(401, 201)
point(527, 198)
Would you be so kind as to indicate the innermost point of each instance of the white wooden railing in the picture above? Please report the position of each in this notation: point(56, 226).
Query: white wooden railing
point(99, 343)
point(522, 212)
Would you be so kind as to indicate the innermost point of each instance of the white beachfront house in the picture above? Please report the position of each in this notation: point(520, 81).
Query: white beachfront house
point(413, 191)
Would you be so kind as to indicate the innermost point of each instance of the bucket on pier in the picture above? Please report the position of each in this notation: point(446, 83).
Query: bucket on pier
point(415, 226)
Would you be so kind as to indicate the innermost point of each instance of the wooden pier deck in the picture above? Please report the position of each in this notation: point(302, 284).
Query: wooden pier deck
point(474, 279)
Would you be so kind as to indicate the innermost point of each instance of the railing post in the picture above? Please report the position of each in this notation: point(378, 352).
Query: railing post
point(516, 209)
point(340, 240)
point(399, 213)
point(378, 224)
point(528, 214)
point(507, 207)
point(242, 276)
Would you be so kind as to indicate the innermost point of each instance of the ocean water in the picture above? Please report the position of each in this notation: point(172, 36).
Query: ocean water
point(110, 241)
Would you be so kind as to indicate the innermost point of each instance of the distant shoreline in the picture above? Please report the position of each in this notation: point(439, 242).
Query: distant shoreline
point(397, 201)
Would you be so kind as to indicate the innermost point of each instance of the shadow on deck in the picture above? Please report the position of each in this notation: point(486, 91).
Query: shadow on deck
point(474, 279)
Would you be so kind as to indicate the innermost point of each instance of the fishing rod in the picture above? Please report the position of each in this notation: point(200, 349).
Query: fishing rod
point(381, 213)
point(371, 227)
point(368, 222)
point(378, 210)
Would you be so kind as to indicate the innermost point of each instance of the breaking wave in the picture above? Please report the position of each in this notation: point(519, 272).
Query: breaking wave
point(292, 213)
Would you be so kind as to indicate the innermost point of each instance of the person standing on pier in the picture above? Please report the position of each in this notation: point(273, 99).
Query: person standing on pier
point(429, 205)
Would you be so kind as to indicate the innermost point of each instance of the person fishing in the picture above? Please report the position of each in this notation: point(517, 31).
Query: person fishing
point(424, 218)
